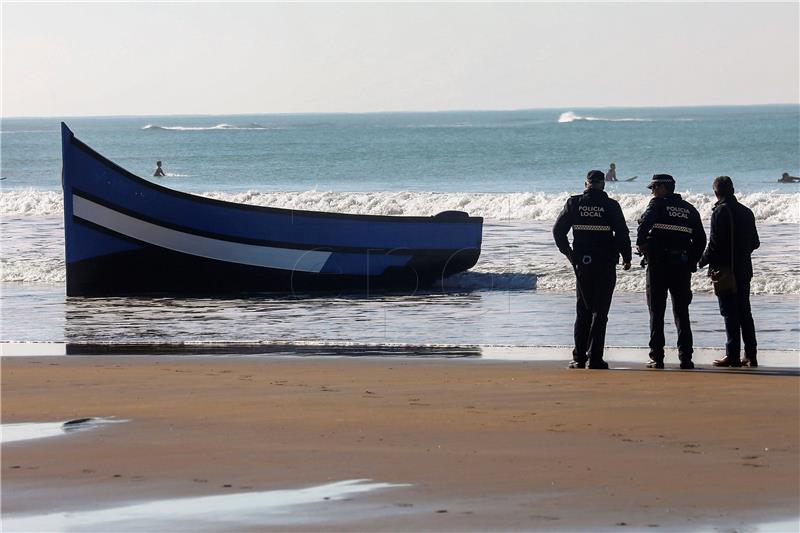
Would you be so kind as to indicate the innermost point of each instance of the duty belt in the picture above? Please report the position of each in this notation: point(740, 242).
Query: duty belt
point(672, 227)
point(590, 227)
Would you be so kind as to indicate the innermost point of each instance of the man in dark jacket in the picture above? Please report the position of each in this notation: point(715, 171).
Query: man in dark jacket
point(672, 238)
point(600, 236)
point(732, 246)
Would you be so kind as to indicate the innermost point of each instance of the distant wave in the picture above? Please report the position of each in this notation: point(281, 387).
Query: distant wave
point(207, 128)
point(768, 207)
point(440, 126)
point(569, 116)
point(5, 132)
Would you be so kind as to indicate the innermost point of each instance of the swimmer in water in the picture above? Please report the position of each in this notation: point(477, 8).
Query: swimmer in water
point(159, 173)
point(611, 175)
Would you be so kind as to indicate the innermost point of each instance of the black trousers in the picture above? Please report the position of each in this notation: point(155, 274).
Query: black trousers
point(676, 278)
point(594, 287)
point(735, 309)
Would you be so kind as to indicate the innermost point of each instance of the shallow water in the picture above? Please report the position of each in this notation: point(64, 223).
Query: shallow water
point(481, 317)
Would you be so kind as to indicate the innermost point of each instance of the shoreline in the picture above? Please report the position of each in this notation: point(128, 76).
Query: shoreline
point(496, 445)
point(787, 359)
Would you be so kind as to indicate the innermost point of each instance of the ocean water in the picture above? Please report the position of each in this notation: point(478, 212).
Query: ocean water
point(514, 168)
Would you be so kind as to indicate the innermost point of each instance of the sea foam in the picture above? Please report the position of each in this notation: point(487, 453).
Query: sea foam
point(768, 207)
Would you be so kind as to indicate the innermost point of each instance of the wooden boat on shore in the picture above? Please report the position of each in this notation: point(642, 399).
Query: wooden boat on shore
point(125, 235)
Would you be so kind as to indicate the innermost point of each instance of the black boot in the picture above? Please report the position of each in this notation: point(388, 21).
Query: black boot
point(728, 361)
point(577, 364)
point(655, 363)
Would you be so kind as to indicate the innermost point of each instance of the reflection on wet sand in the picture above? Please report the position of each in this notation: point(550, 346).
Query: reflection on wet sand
point(41, 430)
point(275, 507)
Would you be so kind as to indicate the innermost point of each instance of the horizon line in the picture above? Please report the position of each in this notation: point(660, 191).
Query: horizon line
point(485, 110)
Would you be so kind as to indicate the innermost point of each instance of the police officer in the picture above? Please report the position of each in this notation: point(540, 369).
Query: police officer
point(599, 237)
point(671, 238)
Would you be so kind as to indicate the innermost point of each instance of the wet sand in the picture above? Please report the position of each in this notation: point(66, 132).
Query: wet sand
point(483, 445)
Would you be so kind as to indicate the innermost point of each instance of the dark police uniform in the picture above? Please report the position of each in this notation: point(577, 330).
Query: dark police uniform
point(600, 236)
point(672, 236)
point(721, 252)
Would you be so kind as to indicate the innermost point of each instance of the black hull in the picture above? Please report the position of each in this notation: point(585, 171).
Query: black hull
point(156, 271)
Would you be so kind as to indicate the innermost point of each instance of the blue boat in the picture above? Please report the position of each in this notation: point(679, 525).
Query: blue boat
point(125, 235)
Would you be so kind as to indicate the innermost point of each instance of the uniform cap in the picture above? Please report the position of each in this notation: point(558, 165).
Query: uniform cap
point(660, 178)
point(595, 176)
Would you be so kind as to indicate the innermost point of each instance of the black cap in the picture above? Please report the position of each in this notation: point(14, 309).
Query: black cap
point(660, 178)
point(595, 176)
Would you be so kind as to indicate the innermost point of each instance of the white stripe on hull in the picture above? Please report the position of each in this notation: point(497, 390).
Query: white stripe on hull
point(187, 243)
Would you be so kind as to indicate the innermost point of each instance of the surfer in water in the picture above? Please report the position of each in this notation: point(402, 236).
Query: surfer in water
point(611, 175)
point(786, 178)
point(159, 173)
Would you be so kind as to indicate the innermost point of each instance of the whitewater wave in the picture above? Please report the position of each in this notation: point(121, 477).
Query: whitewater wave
point(207, 128)
point(768, 207)
point(30, 202)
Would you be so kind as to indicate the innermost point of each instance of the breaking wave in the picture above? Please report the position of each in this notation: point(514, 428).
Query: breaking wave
point(30, 202)
point(252, 126)
point(768, 207)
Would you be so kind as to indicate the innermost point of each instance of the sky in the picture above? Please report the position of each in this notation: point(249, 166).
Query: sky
point(81, 59)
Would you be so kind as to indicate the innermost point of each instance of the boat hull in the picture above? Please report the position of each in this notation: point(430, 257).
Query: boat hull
point(125, 236)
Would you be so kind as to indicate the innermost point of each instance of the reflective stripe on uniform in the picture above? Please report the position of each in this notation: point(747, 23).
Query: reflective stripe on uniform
point(590, 227)
point(672, 227)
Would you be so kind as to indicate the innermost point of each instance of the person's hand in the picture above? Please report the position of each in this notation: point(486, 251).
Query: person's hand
point(626, 265)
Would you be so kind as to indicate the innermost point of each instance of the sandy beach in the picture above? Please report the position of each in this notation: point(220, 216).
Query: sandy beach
point(471, 444)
